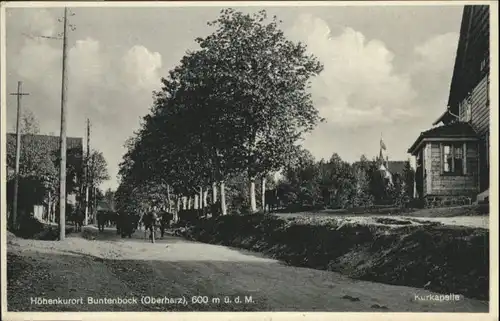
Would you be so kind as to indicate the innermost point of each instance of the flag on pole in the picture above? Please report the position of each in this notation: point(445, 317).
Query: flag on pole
point(384, 163)
point(382, 145)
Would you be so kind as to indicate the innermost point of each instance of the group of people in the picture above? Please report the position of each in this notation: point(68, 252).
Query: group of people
point(153, 219)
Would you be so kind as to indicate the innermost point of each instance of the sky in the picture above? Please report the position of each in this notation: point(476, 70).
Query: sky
point(387, 70)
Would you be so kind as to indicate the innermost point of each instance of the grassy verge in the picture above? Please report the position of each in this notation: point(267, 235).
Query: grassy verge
point(436, 257)
point(465, 210)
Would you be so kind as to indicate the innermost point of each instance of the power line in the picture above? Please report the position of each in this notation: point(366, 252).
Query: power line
point(40, 36)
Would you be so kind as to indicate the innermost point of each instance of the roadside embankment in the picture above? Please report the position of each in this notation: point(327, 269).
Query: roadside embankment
point(430, 255)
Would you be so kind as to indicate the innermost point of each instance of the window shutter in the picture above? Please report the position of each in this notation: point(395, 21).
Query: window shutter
point(441, 154)
point(464, 153)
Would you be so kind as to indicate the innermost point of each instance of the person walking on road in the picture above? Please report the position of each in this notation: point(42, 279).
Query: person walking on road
point(150, 219)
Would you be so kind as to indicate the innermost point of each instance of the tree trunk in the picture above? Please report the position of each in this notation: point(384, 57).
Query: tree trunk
point(196, 202)
point(169, 207)
point(53, 212)
point(205, 196)
point(223, 198)
point(263, 196)
point(253, 203)
point(184, 202)
point(49, 208)
point(178, 205)
point(189, 202)
point(214, 192)
point(201, 197)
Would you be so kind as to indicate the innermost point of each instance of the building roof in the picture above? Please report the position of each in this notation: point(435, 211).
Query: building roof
point(473, 48)
point(453, 130)
point(397, 167)
point(103, 206)
point(52, 142)
point(445, 117)
point(46, 143)
point(394, 166)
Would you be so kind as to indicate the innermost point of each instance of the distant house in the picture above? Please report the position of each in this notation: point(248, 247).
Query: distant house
point(104, 206)
point(453, 158)
point(397, 167)
point(394, 167)
point(48, 145)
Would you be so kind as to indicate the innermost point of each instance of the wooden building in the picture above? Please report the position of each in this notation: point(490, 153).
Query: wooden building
point(33, 147)
point(453, 157)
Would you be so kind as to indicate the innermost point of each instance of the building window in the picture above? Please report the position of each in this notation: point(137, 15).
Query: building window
point(453, 159)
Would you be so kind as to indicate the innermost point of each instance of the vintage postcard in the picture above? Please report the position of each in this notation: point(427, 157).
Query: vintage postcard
point(254, 160)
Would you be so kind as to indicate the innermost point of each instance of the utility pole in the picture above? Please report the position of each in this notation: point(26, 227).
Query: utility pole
point(94, 193)
point(62, 172)
point(95, 205)
point(64, 86)
point(87, 175)
point(19, 93)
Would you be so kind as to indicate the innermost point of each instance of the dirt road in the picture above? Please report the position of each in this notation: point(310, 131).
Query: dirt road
point(110, 268)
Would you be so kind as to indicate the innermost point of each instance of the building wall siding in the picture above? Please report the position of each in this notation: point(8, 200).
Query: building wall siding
point(480, 107)
point(452, 185)
point(427, 169)
point(473, 48)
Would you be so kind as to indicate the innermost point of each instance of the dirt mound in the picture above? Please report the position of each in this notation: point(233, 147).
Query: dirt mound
point(431, 257)
point(425, 256)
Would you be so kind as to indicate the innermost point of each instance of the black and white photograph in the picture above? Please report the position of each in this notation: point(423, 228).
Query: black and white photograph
point(249, 157)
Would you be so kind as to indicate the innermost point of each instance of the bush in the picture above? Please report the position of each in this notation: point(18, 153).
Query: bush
point(29, 226)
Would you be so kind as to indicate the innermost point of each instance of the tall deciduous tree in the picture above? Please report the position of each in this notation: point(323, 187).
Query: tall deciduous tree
point(409, 180)
point(29, 123)
point(109, 197)
point(97, 168)
point(264, 79)
point(237, 104)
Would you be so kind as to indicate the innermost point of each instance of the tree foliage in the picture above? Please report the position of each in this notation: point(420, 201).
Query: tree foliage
point(29, 123)
point(338, 184)
point(97, 168)
point(39, 166)
point(234, 107)
point(232, 113)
